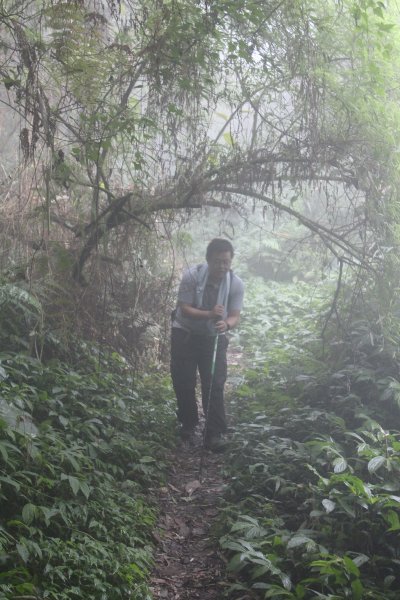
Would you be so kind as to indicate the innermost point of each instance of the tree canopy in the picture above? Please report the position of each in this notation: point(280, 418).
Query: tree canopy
point(132, 108)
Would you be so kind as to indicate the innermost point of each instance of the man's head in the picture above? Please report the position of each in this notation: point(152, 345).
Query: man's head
point(219, 256)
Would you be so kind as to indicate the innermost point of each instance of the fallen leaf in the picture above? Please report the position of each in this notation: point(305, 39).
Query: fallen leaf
point(192, 486)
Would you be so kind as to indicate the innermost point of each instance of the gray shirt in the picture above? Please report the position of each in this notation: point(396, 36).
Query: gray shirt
point(187, 295)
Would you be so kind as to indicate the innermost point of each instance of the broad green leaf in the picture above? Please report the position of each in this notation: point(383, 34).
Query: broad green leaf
point(232, 545)
point(340, 465)
point(3, 451)
point(8, 480)
point(236, 563)
point(48, 513)
point(392, 518)
point(37, 549)
point(357, 589)
point(351, 566)
point(376, 463)
point(85, 489)
point(23, 552)
point(298, 540)
point(74, 483)
point(347, 506)
point(28, 513)
point(147, 459)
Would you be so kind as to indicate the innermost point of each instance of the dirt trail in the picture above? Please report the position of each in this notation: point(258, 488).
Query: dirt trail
point(188, 563)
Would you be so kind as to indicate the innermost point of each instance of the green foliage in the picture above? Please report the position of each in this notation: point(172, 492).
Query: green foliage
point(276, 313)
point(313, 501)
point(21, 317)
point(79, 449)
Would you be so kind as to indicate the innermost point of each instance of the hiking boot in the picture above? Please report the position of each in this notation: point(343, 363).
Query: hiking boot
point(215, 443)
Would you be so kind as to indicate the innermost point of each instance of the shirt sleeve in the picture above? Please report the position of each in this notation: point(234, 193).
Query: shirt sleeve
point(187, 288)
point(236, 294)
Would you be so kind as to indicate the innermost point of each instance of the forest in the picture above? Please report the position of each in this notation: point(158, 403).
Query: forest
point(132, 133)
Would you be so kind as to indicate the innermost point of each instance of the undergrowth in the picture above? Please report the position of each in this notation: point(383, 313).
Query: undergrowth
point(80, 449)
point(313, 503)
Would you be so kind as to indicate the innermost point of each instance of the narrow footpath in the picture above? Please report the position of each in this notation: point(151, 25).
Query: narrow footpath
point(188, 565)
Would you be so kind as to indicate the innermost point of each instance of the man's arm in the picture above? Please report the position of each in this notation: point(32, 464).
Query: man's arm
point(197, 313)
point(220, 326)
point(230, 322)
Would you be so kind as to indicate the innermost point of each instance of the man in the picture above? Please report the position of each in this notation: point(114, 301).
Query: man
point(210, 298)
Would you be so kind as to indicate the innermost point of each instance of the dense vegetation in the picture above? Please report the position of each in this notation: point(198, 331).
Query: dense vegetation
point(123, 121)
point(80, 445)
point(315, 463)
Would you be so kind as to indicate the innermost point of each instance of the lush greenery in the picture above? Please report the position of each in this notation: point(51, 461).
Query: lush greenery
point(130, 117)
point(80, 444)
point(315, 463)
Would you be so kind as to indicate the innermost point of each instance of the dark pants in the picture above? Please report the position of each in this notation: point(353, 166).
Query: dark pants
point(190, 352)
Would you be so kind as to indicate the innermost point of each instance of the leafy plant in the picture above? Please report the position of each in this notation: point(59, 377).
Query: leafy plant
point(313, 508)
point(78, 450)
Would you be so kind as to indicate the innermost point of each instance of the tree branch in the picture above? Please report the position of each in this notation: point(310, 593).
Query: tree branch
point(319, 229)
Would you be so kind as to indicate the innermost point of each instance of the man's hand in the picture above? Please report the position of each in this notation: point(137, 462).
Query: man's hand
point(221, 326)
point(217, 311)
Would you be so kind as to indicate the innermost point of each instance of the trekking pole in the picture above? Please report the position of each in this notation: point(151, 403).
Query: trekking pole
point(214, 356)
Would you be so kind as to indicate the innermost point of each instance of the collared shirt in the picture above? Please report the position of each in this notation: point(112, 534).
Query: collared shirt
point(187, 295)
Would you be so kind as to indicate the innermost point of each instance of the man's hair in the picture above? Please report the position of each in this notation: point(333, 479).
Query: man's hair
point(218, 245)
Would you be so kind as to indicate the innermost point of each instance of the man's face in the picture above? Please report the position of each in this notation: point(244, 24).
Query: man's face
point(219, 264)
